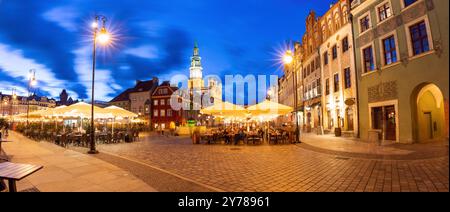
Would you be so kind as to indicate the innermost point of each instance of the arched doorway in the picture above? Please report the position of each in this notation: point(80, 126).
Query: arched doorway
point(428, 113)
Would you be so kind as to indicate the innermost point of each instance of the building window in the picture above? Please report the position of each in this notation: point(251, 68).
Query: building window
point(325, 58)
point(319, 87)
point(163, 102)
point(384, 12)
point(327, 87)
point(336, 82)
point(317, 62)
point(163, 113)
point(345, 14)
point(169, 113)
point(364, 23)
point(337, 21)
point(419, 38)
point(324, 32)
point(408, 2)
point(348, 79)
point(155, 113)
point(313, 91)
point(334, 52)
point(368, 59)
point(390, 52)
point(345, 44)
point(155, 102)
point(313, 66)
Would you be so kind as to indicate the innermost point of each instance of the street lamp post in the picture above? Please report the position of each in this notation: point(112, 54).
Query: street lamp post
point(103, 37)
point(290, 60)
point(31, 82)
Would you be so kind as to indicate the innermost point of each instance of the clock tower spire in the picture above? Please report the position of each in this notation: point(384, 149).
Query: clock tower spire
point(196, 69)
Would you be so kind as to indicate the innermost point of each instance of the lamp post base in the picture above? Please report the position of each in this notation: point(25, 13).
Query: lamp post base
point(92, 152)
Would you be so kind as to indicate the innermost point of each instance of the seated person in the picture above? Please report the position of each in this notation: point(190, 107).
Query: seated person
point(226, 136)
point(240, 136)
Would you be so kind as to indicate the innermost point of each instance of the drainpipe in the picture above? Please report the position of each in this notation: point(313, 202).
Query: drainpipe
point(358, 135)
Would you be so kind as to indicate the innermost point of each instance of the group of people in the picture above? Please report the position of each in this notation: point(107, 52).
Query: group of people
point(236, 134)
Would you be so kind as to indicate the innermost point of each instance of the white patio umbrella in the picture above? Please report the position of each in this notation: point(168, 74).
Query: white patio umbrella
point(119, 113)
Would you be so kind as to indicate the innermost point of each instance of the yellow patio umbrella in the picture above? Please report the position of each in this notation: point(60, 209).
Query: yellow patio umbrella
point(225, 110)
point(118, 112)
point(268, 109)
point(82, 110)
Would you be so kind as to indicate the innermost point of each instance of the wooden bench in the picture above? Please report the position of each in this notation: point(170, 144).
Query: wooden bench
point(15, 172)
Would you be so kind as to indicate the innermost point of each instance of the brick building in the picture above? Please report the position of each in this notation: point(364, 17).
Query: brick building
point(163, 116)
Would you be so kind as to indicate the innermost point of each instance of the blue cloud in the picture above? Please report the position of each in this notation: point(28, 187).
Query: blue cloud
point(155, 38)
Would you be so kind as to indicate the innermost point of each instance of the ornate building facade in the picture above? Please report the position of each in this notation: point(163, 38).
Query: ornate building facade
point(326, 77)
point(339, 93)
point(402, 66)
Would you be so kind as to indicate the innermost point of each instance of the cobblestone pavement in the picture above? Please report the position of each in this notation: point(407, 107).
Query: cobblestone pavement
point(283, 167)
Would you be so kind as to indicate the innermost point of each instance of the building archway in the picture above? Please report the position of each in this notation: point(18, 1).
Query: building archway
point(428, 113)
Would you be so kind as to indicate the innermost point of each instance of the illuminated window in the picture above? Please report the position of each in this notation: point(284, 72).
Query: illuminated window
point(348, 79)
point(364, 23)
point(419, 38)
point(384, 12)
point(390, 52)
point(369, 64)
point(334, 52)
point(408, 2)
point(345, 44)
point(336, 82)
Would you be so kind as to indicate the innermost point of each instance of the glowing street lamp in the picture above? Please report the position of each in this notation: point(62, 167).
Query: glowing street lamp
point(289, 60)
point(103, 37)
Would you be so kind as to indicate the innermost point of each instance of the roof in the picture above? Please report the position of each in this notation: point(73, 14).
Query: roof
point(165, 84)
point(124, 96)
point(142, 86)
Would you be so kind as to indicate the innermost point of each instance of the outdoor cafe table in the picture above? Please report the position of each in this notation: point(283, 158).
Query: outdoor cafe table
point(252, 136)
point(15, 172)
point(208, 137)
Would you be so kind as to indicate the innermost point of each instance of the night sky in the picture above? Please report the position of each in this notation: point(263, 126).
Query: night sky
point(152, 38)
